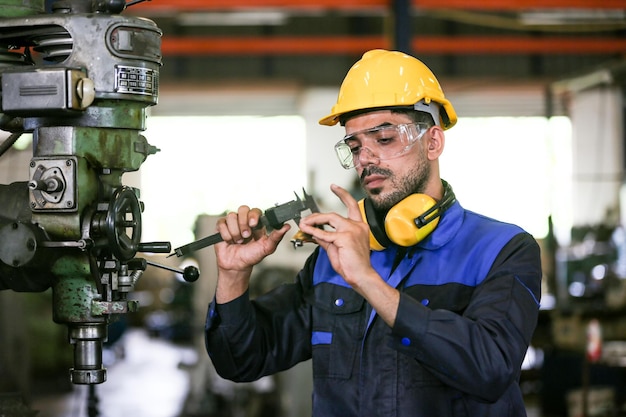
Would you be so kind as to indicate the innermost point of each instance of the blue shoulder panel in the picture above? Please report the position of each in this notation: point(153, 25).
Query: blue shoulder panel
point(460, 250)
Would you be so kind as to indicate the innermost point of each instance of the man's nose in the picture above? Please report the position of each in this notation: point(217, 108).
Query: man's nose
point(367, 157)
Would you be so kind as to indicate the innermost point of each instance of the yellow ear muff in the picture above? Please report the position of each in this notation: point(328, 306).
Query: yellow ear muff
point(374, 244)
point(408, 222)
point(400, 220)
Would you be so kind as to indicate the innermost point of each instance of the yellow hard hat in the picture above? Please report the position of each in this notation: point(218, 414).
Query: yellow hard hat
point(387, 79)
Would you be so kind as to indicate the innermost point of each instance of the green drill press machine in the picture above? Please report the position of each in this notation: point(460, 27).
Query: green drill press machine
point(79, 76)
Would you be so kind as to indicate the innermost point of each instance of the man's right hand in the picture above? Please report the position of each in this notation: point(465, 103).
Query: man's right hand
point(245, 245)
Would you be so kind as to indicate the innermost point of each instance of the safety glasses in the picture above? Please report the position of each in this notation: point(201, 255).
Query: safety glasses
point(381, 142)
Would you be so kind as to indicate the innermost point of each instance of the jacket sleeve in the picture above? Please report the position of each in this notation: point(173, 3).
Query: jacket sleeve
point(480, 351)
point(248, 339)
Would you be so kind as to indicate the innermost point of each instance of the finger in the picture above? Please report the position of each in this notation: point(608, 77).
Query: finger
point(277, 235)
point(248, 220)
point(234, 224)
point(324, 237)
point(222, 229)
point(313, 225)
point(346, 198)
point(319, 219)
point(243, 221)
point(254, 217)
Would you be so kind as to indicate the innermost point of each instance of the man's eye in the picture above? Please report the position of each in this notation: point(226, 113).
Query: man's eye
point(353, 145)
point(386, 140)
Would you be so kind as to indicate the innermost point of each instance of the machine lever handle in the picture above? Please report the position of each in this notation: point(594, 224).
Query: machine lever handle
point(155, 247)
point(190, 273)
point(198, 244)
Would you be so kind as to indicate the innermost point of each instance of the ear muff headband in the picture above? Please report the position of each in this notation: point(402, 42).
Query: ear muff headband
point(437, 209)
point(408, 222)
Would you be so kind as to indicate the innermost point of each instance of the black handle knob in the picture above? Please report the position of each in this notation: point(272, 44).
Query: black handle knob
point(191, 274)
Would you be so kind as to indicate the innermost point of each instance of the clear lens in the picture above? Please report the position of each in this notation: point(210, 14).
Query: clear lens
point(382, 142)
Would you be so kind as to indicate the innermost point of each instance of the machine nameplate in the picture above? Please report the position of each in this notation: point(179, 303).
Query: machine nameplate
point(135, 80)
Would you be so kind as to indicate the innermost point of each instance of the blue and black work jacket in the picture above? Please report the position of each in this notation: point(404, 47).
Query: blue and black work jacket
point(469, 301)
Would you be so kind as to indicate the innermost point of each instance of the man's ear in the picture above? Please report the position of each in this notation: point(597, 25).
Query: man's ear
point(436, 142)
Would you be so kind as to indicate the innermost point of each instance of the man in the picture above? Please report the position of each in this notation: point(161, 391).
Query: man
point(411, 305)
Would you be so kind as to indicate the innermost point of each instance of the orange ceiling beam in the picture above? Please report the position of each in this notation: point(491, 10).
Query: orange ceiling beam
point(238, 46)
point(195, 5)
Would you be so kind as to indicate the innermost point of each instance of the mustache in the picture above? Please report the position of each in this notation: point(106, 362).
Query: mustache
point(374, 170)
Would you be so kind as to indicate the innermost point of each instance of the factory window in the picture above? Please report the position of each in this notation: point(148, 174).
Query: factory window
point(515, 169)
point(210, 165)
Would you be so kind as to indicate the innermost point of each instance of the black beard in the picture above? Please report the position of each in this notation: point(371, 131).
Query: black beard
point(414, 183)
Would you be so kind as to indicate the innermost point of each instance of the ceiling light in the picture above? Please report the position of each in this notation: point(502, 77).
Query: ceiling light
point(247, 18)
point(572, 16)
